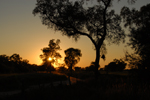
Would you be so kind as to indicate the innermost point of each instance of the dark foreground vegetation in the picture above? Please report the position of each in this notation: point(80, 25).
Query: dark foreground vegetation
point(113, 84)
point(11, 82)
point(107, 87)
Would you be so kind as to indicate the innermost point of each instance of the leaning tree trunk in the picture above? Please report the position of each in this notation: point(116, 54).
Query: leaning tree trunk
point(100, 42)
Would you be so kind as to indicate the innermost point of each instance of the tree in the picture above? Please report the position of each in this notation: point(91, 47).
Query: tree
point(25, 62)
point(134, 60)
point(116, 65)
point(4, 58)
point(5, 64)
point(16, 58)
point(50, 54)
point(138, 23)
point(72, 58)
point(73, 20)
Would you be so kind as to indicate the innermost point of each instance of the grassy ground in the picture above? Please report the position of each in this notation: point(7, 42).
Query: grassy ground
point(18, 81)
point(107, 87)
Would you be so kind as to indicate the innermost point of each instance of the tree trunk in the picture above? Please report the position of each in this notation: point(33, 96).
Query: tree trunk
point(97, 60)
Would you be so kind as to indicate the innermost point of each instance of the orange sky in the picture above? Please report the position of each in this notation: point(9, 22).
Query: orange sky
point(22, 33)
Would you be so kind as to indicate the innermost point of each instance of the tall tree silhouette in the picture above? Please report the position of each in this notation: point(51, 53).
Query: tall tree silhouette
point(50, 54)
point(72, 57)
point(73, 20)
point(139, 24)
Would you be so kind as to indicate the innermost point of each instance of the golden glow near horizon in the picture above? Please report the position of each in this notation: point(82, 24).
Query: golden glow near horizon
point(29, 38)
point(49, 58)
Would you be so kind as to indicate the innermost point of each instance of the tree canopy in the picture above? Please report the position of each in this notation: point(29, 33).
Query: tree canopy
point(15, 64)
point(16, 58)
point(72, 57)
point(51, 51)
point(50, 54)
point(139, 24)
point(98, 23)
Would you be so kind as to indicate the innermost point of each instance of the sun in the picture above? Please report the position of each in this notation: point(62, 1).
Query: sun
point(49, 58)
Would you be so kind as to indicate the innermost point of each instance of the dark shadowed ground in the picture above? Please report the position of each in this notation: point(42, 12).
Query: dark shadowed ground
point(107, 87)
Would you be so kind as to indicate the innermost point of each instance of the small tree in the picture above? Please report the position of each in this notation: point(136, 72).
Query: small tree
point(16, 58)
point(72, 58)
point(50, 54)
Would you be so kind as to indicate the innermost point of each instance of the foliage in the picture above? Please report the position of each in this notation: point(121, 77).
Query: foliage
point(129, 1)
point(98, 23)
point(4, 58)
point(116, 65)
point(139, 23)
point(51, 52)
point(15, 64)
point(72, 57)
point(134, 60)
point(16, 58)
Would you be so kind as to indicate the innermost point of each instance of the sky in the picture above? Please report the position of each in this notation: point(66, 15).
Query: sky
point(23, 33)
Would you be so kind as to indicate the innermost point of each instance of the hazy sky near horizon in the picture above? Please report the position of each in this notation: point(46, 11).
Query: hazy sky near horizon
point(23, 33)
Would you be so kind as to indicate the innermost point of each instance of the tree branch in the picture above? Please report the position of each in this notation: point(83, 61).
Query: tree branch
point(75, 31)
point(85, 34)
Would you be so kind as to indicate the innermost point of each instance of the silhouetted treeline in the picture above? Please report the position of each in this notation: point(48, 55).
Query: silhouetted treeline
point(116, 65)
point(46, 68)
point(15, 64)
